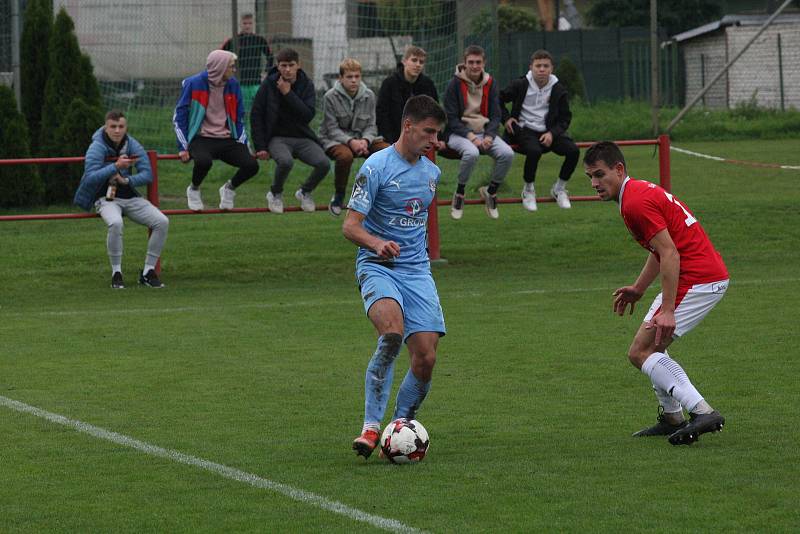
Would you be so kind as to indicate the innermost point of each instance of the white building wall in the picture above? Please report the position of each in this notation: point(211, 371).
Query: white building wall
point(704, 57)
point(756, 75)
point(325, 23)
point(129, 39)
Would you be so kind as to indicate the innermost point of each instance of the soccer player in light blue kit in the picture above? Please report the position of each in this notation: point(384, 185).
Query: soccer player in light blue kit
point(387, 218)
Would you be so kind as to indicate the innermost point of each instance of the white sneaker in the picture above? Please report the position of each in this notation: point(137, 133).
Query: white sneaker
point(529, 197)
point(457, 207)
point(275, 202)
point(306, 201)
point(562, 198)
point(489, 203)
point(226, 196)
point(194, 199)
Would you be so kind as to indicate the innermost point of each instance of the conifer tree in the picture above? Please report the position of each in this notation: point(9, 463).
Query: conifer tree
point(35, 65)
point(71, 84)
point(20, 185)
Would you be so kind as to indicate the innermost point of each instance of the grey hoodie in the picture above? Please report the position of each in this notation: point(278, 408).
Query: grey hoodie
point(345, 117)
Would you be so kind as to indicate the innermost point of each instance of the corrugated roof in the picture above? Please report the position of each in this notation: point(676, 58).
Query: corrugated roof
point(735, 20)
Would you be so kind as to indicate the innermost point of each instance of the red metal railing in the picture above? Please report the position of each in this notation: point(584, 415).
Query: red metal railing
point(433, 220)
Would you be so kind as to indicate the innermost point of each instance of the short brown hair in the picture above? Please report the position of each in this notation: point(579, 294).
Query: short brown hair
point(115, 115)
point(414, 51)
point(606, 151)
point(542, 54)
point(349, 64)
point(287, 55)
point(474, 50)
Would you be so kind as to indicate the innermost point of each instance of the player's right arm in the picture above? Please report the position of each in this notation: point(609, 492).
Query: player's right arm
point(353, 230)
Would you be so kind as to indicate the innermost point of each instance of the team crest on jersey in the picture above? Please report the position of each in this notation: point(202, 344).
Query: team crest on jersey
point(432, 184)
point(360, 187)
point(414, 206)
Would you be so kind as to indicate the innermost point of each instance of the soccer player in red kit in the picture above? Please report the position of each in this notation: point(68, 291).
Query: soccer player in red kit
point(693, 281)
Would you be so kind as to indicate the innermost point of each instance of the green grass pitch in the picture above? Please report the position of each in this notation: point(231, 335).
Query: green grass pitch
point(253, 357)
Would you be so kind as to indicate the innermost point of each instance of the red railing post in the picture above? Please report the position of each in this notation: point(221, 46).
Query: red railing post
point(663, 163)
point(433, 220)
point(152, 193)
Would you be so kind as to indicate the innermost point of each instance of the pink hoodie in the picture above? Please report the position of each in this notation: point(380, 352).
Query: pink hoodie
point(215, 123)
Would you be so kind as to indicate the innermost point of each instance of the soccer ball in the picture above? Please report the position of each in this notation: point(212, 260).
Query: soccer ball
point(404, 441)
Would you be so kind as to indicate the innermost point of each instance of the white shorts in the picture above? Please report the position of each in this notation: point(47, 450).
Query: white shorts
point(692, 304)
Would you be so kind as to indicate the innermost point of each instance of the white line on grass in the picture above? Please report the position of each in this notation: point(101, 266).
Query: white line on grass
point(328, 302)
point(302, 496)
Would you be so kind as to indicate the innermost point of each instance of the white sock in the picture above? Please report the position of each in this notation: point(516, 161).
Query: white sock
point(667, 401)
point(147, 268)
point(529, 187)
point(371, 426)
point(116, 269)
point(669, 376)
point(560, 185)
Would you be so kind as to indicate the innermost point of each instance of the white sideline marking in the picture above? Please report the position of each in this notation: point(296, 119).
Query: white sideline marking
point(324, 302)
point(726, 160)
point(302, 496)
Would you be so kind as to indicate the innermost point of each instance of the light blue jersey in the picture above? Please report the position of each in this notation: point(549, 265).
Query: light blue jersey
point(394, 196)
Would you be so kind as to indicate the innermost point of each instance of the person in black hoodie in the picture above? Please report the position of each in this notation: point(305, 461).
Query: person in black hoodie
point(282, 110)
point(397, 88)
point(538, 123)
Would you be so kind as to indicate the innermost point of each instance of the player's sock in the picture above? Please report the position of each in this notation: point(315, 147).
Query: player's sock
point(668, 375)
point(378, 381)
point(492, 189)
point(672, 408)
point(410, 396)
point(560, 185)
point(702, 407)
point(116, 268)
point(461, 188)
point(148, 267)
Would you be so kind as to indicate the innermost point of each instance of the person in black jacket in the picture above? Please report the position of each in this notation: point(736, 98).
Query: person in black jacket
point(282, 110)
point(397, 88)
point(250, 47)
point(538, 123)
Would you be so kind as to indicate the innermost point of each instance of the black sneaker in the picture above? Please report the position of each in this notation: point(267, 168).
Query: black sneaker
point(335, 206)
point(662, 427)
point(150, 279)
point(699, 423)
point(116, 281)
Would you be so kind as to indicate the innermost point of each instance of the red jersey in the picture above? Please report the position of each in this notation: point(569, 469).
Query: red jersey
point(647, 209)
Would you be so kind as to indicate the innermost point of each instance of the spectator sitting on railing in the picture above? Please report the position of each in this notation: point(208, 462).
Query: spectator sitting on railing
point(209, 124)
point(538, 123)
point(284, 106)
point(397, 88)
point(348, 128)
point(472, 105)
point(109, 186)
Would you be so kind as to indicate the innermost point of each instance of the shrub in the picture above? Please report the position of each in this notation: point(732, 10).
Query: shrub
point(20, 185)
point(568, 74)
point(509, 19)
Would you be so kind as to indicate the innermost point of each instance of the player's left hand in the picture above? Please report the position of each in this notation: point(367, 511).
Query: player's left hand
point(625, 296)
point(546, 139)
point(664, 323)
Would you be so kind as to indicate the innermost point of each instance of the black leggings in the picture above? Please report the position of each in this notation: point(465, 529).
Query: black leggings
point(528, 143)
point(204, 150)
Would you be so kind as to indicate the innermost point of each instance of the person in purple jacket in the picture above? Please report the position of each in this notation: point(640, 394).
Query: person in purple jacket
point(209, 124)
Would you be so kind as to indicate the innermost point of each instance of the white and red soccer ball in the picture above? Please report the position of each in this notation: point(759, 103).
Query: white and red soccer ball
point(404, 441)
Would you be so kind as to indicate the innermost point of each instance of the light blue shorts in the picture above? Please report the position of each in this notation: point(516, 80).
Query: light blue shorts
point(414, 292)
